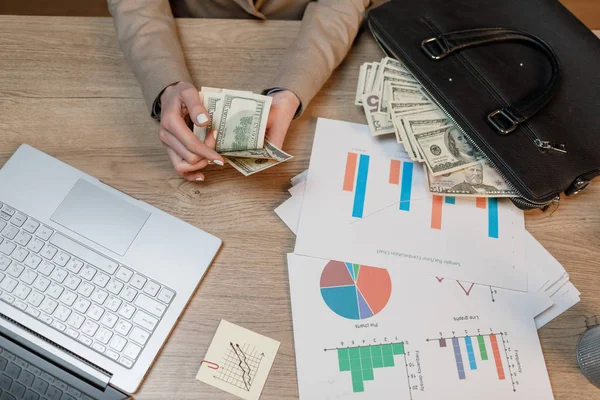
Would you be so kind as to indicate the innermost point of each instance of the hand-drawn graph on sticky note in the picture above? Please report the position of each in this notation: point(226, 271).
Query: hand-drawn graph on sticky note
point(239, 365)
point(238, 361)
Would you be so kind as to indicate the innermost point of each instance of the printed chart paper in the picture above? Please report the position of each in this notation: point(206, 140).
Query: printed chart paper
point(368, 333)
point(366, 201)
point(238, 361)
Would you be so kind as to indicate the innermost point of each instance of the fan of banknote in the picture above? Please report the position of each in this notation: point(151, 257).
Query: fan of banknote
point(239, 121)
point(396, 103)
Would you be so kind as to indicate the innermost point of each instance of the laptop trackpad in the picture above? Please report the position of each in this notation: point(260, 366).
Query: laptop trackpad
point(100, 216)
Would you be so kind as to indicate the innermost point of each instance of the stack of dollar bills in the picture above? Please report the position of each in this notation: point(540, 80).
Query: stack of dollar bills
point(396, 103)
point(238, 119)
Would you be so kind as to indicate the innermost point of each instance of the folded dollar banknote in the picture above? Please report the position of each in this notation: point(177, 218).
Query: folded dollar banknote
point(238, 119)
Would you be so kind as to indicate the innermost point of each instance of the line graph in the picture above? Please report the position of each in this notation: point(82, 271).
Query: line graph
point(467, 288)
point(239, 366)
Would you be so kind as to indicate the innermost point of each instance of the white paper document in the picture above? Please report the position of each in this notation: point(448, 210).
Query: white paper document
point(548, 284)
point(365, 332)
point(366, 201)
point(238, 361)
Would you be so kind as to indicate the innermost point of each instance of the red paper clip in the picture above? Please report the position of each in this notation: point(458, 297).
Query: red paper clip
point(210, 364)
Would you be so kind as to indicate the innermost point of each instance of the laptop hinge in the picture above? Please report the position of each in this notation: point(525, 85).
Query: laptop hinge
point(68, 361)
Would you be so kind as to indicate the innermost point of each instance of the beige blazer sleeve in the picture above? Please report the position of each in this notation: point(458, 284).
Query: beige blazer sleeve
point(148, 36)
point(326, 34)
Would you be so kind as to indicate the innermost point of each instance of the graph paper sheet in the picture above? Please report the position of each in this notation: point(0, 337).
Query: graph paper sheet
point(363, 332)
point(238, 361)
point(366, 201)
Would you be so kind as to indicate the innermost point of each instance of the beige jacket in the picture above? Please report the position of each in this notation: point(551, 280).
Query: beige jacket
point(148, 37)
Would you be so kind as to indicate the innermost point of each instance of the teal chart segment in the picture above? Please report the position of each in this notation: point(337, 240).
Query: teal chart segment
point(355, 291)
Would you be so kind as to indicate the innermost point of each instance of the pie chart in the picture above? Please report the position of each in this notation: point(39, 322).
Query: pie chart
point(355, 291)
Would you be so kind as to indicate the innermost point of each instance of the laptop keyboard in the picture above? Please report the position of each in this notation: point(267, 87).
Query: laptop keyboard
point(21, 380)
point(106, 306)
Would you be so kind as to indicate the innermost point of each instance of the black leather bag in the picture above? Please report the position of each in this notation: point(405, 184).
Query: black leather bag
point(521, 78)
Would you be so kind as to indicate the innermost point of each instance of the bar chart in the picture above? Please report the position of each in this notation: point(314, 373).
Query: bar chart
point(491, 204)
point(467, 350)
point(356, 181)
point(406, 183)
point(362, 361)
point(368, 195)
point(356, 176)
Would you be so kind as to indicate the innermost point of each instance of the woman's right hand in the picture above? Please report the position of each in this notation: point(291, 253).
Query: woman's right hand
point(187, 153)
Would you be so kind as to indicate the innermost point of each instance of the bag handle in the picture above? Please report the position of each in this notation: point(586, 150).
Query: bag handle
point(506, 119)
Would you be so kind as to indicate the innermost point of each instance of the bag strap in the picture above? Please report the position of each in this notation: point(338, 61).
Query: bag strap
point(506, 119)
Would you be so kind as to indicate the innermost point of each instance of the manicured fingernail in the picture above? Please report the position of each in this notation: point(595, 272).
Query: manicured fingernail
point(200, 179)
point(202, 119)
point(215, 134)
point(218, 162)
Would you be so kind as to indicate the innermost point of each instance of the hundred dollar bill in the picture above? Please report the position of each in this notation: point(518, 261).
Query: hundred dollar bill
point(399, 92)
point(418, 120)
point(379, 123)
point(385, 82)
point(399, 128)
point(446, 150)
point(404, 108)
point(242, 122)
point(270, 157)
point(372, 78)
point(239, 120)
point(212, 100)
point(394, 63)
point(388, 66)
point(360, 86)
point(478, 180)
point(407, 107)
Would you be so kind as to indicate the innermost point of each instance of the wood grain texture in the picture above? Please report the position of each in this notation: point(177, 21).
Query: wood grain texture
point(588, 11)
point(65, 89)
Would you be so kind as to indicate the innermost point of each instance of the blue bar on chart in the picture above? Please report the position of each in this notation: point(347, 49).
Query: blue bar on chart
point(459, 363)
point(493, 218)
point(450, 200)
point(470, 353)
point(406, 188)
point(361, 186)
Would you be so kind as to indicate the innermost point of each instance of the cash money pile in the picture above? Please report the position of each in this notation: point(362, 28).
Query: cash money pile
point(239, 121)
point(396, 103)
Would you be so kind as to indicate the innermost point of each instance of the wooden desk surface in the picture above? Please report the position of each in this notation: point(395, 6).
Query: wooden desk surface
point(65, 88)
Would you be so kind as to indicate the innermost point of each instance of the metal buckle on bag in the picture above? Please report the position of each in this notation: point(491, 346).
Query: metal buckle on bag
point(503, 121)
point(426, 46)
point(578, 186)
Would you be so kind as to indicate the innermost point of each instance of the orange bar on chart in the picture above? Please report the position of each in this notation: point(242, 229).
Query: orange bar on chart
point(497, 357)
point(436, 212)
point(481, 202)
point(350, 172)
point(395, 172)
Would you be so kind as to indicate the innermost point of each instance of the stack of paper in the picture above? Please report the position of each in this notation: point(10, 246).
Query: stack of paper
point(379, 260)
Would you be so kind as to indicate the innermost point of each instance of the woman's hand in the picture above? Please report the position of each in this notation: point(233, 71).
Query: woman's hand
point(187, 153)
point(283, 109)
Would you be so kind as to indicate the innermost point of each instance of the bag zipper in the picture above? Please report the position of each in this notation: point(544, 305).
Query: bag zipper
point(522, 201)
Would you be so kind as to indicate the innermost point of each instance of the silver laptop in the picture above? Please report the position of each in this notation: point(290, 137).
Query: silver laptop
point(90, 274)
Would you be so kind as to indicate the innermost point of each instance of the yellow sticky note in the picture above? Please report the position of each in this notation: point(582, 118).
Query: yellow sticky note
point(238, 361)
